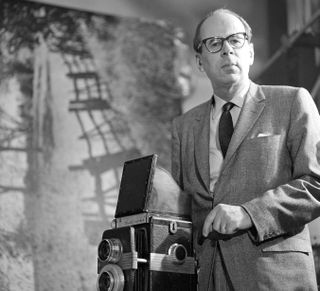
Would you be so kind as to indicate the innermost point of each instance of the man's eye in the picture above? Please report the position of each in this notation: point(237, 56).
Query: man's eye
point(214, 43)
point(234, 40)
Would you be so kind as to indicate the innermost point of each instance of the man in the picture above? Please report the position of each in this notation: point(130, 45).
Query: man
point(251, 199)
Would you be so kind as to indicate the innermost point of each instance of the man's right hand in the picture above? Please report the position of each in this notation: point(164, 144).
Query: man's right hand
point(226, 219)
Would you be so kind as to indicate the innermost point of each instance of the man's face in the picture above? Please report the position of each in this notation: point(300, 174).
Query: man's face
point(230, 66)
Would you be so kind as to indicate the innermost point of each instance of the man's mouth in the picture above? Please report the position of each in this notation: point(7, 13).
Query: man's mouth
point(229, 65)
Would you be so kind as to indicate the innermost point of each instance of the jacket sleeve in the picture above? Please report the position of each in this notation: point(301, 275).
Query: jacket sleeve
point(288, 207)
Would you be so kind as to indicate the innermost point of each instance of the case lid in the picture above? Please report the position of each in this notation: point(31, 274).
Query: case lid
point(146, 188)
point(136, 183)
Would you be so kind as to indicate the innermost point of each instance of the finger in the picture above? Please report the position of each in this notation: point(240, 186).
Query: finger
point(230, 228)
point(217, 223)
point(222, 228)
point(207, 226)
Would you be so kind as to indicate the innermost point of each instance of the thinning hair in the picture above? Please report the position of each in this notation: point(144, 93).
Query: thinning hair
point(196, 38)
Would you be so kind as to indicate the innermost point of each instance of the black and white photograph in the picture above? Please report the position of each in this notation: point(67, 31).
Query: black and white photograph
point(166, 145)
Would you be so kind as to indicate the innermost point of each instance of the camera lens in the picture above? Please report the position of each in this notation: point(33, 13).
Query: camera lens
point(111, 278)
point(105, 282)
point(110, 250)
point(104, 250)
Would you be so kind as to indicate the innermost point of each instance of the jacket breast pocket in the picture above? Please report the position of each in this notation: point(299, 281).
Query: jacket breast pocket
point(271, 141)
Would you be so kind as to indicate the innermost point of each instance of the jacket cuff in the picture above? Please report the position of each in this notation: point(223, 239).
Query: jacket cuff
point(252, 231)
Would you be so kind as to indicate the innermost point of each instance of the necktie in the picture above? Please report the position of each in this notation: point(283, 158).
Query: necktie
point(225, 127)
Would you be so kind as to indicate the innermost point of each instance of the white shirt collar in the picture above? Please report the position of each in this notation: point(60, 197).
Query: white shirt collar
point(237, 100)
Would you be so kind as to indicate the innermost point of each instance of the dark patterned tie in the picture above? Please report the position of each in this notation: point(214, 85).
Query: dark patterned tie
point(225, 127)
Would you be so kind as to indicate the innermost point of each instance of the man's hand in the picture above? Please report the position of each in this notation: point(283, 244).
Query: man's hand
point(226, 219)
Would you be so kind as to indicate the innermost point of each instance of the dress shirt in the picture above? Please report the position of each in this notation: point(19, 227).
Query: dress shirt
point(215, 154)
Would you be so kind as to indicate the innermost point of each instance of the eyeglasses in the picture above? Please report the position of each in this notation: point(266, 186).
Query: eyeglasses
point(215, 44)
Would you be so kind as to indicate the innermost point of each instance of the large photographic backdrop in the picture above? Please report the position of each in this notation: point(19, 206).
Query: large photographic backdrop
point(80, 93)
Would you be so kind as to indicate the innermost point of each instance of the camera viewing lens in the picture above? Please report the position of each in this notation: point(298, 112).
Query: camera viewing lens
point(104, 250)
point(110, 250)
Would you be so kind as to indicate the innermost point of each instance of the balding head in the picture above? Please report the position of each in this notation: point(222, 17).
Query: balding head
point(197, 37)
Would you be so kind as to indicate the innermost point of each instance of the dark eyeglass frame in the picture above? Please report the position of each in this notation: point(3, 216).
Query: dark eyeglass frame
point(222, 40)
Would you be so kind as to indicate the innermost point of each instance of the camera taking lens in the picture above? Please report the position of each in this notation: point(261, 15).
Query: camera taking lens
point(105, 281)
point(111, 278)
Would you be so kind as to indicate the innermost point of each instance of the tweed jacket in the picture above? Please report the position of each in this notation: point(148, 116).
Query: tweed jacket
point(271, 169)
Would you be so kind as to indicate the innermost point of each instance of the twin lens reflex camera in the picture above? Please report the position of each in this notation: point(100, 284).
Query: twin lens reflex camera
point(149, 247)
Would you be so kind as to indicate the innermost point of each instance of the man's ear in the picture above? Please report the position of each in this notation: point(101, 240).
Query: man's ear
point(199, 62)
point(251, 53)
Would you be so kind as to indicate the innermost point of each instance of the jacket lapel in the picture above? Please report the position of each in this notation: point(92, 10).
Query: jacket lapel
point(201, 144)
point(252, 109)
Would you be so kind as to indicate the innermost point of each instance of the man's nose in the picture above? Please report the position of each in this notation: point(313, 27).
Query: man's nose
point(227, 48)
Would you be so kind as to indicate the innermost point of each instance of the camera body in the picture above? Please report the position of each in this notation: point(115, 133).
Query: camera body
point(156, 255)
point(150, 246)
